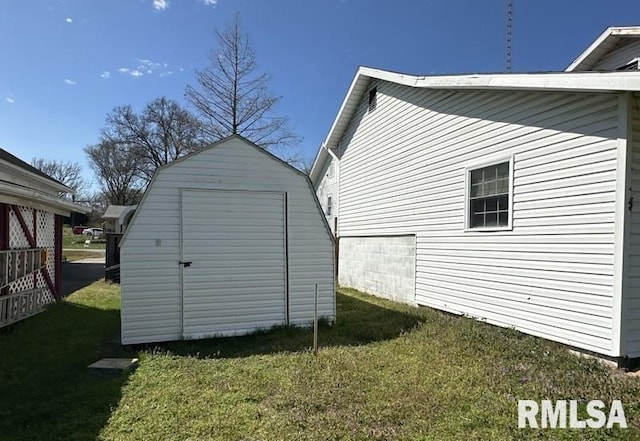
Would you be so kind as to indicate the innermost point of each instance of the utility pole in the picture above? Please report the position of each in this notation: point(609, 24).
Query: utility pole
point(509, 33)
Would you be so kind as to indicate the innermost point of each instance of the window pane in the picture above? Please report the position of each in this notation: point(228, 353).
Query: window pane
point(492, 204)
point(503, 218)
point(503, 170)
point(491, 219)
point(477, 206)
point(502, 186)
point(476, 177)
point(503, 203)
point(476, 190)
point(477, 220)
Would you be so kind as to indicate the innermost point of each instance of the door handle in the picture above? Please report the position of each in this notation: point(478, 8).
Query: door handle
point(185, 264)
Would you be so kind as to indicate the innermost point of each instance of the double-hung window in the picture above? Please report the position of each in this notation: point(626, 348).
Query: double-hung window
point(489, 196)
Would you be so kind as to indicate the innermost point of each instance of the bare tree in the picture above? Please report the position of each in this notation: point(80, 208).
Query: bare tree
point(232, 98)
point(66, 172)
point(163, 132)
point(116, 172)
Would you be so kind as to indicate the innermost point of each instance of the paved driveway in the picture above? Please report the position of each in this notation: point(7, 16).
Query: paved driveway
point(81, 273)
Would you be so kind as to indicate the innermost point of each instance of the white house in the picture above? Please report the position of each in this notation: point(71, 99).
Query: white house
point(225, 241)
point(31, 212)
point(507, 197)
point(117, 217)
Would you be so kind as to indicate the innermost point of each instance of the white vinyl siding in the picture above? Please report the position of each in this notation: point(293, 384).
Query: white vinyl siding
point(232, 285)
point(150, 252)
point(620, 56)
point(329, 187)
point(403, 172)
point(631, 305)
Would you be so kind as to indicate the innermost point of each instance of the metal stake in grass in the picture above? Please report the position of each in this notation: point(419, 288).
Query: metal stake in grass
point(315, 321)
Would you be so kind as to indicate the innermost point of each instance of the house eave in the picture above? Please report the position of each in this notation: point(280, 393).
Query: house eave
point(15, 194)
point(590, 55)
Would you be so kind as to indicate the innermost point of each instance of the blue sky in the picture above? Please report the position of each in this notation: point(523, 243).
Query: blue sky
point(66, 63)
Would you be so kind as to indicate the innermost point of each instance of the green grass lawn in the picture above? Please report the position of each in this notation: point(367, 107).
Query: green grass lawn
point(384, 371)
point(70, 240)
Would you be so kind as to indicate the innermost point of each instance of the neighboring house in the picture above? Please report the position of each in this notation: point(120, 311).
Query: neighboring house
point(117, 217)
point(226, 241)
point(31, 214)
point(513, 198)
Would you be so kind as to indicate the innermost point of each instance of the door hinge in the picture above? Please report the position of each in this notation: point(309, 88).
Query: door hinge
point(631, 203)
point(185, 264)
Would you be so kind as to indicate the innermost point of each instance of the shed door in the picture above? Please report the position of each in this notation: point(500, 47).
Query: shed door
point(236, 281)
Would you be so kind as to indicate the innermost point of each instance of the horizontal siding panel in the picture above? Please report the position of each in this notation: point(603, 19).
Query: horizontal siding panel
point(550, 329)
point(578, 147)
point(567, 203)
point(585, 294)
point(574, 219)
point(582, 190)
point(532, 257)
point(515, 269)
point(535, 312)
point(494, 264)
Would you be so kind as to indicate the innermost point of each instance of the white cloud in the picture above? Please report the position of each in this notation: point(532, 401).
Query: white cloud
point(147, 65)
point(106, 74)
point(144, 66)
point(70, 82)
point(209, 2)
point(10, 100)
point(69, 20)
point(160, 5)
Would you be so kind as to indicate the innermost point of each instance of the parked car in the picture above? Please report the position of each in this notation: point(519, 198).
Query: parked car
point(78, 229)
point(94, 233)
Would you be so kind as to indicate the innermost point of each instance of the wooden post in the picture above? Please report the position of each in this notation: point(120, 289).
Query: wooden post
point(315, 321)
point(4, 236)
point(57, 254)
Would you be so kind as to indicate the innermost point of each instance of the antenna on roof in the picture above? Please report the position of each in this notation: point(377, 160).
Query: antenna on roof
point(509, 33)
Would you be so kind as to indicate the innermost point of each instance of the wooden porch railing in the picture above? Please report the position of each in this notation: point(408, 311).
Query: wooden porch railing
point(18, 306)
point(15, 264)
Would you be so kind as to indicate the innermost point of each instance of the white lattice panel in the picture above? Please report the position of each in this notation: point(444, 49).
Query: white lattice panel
point(45, 238)
point(18, 240)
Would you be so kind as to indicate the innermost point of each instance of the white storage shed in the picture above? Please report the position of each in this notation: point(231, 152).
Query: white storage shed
point(226, 241)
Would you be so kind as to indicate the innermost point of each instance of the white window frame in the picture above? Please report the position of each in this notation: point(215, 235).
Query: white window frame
point(329, 208)
point(467, 194)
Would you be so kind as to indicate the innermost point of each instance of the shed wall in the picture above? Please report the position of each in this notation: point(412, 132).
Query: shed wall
point(150, 273)
point(403, 172)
